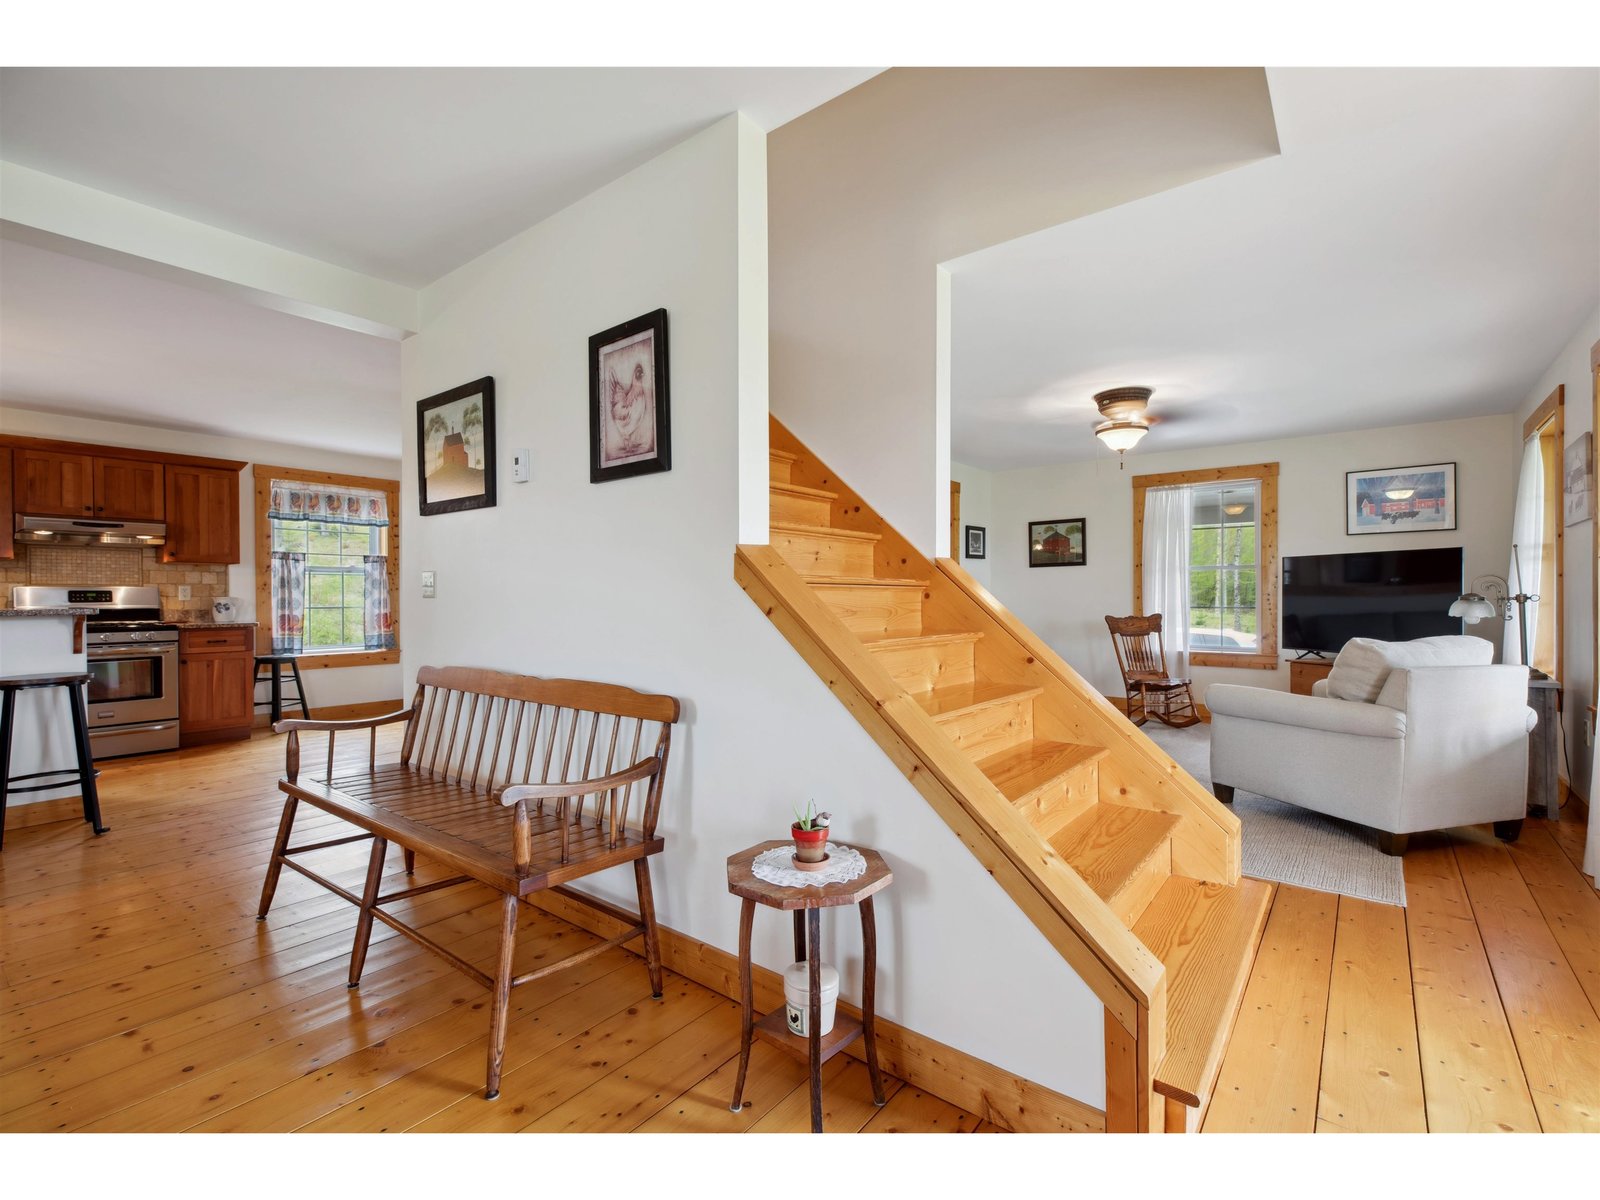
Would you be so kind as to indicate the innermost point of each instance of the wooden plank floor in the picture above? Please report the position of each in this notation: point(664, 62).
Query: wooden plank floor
point(139, 994)
point(1474, 1009)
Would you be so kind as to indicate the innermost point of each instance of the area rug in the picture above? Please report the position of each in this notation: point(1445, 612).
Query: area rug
point(1293, 845)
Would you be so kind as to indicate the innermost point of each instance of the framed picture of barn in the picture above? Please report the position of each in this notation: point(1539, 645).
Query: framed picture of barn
point(1400, 499)
point(1059, 543)
point(455, 449)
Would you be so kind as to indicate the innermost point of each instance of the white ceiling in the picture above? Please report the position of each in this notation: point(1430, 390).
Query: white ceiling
point(1424, 246)
point(95, 341)
point(400, 173)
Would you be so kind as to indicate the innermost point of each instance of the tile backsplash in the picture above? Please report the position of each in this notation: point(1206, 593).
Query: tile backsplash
point(117, 566)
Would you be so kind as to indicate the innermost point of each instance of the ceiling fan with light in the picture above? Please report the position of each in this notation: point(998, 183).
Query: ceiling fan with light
point(1124, 417)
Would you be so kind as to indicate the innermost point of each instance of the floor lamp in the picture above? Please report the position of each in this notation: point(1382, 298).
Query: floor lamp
point(1473, 606)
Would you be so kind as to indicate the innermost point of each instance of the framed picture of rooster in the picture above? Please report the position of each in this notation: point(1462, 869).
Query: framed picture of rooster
point(630, 423)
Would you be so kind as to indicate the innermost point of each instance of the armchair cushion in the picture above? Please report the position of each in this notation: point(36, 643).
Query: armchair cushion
point(1363, 666)
point(1305, 712)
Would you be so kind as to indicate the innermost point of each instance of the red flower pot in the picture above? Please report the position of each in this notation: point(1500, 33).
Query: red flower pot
point(810, 845)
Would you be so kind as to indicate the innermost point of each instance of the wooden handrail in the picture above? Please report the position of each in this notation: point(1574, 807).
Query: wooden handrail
point(1127, 978)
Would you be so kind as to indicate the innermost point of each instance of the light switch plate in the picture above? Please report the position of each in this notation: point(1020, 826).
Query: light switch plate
point(427, 585)
point(521, 466)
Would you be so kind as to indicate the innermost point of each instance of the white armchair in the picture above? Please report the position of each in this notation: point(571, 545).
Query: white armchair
point(1439, 746)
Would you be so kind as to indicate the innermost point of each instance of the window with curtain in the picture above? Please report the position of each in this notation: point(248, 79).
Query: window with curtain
point(1206, 559)
point(330, 577)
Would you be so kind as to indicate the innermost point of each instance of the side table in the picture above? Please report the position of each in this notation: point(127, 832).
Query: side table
point(1544, 749)
point(807, 904)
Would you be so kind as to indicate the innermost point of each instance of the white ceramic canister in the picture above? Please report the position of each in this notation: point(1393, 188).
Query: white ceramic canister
point(797, 994)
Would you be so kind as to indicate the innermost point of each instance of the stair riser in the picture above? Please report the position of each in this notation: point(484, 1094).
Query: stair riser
point(991, 729)
point(819, 554)
point(801, 510)
point(1133, 897)
point(780, 469)
point(876, 611)
point(1059, 803)
point(923, 668)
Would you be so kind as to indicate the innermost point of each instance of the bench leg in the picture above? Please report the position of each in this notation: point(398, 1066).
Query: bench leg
point(502, 995)
point(275, 864)
point(647, 913)
point(411, 862)
point(369, 894)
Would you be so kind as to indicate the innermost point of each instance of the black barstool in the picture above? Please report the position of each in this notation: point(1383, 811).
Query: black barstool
point(84, 772)
point(274, 664)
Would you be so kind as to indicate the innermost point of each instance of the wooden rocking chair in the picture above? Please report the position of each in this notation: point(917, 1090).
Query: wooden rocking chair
point(1142, 659)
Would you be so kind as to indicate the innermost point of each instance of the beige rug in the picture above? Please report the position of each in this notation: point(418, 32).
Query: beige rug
point(1293, 845)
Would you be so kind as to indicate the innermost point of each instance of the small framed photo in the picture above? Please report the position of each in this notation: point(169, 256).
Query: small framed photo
point(1059, 543)
point(977, 542)
point(630, 424)
point(455, 449)
point(1400, 499)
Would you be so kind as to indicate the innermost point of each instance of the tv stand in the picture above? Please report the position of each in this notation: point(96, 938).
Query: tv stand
point(1305, 671)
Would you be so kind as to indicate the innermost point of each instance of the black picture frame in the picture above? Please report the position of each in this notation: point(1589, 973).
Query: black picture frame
point(1042, 532)
point(975, 540)
point(1428, 504)
point(621, 447)
point(450, 417)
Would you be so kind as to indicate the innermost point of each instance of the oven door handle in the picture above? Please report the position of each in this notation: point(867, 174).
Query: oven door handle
point(101, 653)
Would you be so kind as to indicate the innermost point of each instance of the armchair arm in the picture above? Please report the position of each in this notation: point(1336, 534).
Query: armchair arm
point(1305, 712)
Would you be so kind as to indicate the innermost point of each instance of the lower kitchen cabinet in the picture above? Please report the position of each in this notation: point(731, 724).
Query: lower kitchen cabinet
point(216, 688)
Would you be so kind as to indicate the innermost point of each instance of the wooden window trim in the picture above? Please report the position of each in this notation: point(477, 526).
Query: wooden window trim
point(1549, 421)
point(1267, 581)
point(264, 475)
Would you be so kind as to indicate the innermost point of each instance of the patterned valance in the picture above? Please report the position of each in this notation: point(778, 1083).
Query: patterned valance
point(294, 501)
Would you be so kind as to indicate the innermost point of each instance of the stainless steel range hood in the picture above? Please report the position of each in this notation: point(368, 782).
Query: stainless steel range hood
point(66, 531)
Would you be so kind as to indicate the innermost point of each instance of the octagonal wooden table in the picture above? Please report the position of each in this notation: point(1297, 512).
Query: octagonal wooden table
point(807, 904)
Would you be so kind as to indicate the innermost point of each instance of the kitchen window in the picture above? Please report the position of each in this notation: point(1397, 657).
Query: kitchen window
point(326, 577)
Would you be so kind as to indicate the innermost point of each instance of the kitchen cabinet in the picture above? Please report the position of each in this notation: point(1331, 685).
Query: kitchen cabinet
point(202, 514)
point(216, 683)
point(8, 547)
point(51, 483)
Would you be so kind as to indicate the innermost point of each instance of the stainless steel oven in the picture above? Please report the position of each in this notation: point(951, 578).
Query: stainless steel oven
point(132, 663)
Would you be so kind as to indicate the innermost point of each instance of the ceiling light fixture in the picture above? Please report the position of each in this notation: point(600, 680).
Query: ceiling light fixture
point(1125, 423)
point(1235, 510)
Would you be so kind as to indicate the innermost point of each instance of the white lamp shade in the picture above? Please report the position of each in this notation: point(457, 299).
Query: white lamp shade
point(1472, 608)
point(1121, 435)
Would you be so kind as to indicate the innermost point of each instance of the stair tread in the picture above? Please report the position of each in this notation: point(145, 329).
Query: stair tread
point(863, 581)
point(917, 639)
point(1206, 934)
point(794, 489)
point(825, 531)
point(1110, 842)
point(963, 697)
point(1021, 770)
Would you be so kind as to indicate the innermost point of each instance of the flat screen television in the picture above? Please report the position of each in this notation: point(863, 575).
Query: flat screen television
point(1391, 595)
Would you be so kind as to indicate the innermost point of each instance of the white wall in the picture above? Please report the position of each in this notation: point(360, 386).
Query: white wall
point(334, 686)
point(632, 582)
point(1067, 605)
point(1571, 368)
point(976, 509)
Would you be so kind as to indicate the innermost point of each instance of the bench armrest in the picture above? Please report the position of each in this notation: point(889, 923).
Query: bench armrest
point(643, 769)
point(295, 723)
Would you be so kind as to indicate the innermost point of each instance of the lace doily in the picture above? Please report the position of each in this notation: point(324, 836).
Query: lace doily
point(774, 866)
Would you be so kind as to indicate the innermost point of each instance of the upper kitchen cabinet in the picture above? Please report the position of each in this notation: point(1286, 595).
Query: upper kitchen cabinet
point(51, 483)
point(8, 547)
point(202, 514)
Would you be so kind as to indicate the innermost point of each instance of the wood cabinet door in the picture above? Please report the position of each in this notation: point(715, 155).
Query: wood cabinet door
point(202, 515)
point(215, 692)
point(126, 489)
point(48, 484)
point(8, 548)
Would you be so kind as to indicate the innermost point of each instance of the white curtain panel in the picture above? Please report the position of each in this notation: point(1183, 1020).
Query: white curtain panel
point(1166, 569)
point(1527, 534)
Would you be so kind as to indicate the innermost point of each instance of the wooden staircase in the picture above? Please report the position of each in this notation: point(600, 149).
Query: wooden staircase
point(1123, 861)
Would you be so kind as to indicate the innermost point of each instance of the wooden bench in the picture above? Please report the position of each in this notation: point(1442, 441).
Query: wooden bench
point(495, 781)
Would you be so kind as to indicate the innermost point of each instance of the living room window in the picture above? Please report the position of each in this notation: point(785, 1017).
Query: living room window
point(326, 572)
point(1205, 557)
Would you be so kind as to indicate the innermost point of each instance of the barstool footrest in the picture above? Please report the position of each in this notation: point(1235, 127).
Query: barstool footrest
point(71, 773)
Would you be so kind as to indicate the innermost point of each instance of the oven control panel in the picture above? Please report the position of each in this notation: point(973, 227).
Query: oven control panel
point(88, 595)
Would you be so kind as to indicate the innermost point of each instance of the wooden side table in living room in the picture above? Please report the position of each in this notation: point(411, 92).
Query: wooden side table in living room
point(807, 904)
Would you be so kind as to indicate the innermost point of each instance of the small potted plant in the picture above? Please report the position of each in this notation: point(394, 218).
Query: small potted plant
point(810, 831)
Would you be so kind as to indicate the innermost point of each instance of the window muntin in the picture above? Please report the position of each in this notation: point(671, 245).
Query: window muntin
point(1225, 568)
point(336, 578)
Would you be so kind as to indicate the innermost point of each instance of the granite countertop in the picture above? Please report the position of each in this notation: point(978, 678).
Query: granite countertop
point(73, 611)
point(214, 624)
